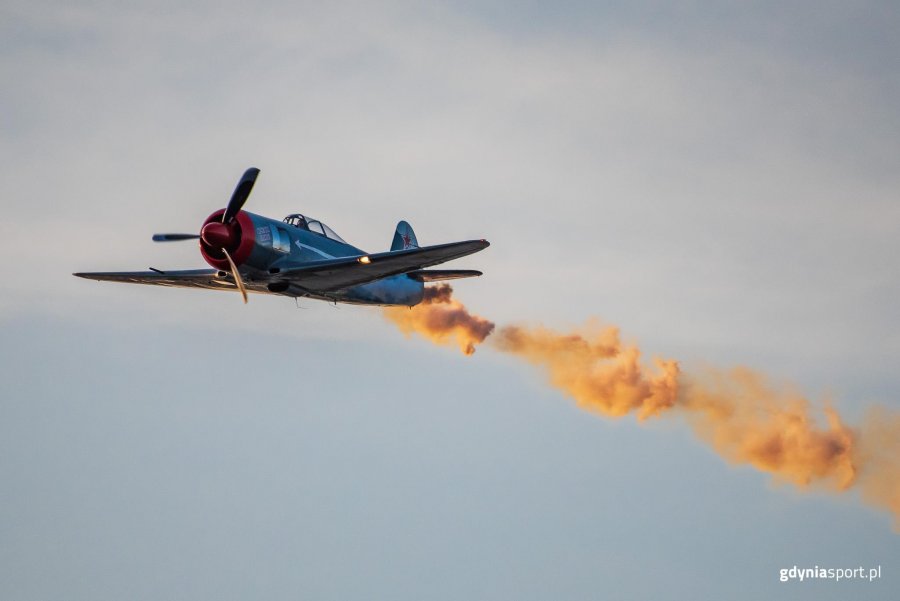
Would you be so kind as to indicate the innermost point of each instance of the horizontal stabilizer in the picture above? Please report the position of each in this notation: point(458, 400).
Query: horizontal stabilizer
point(437, 275)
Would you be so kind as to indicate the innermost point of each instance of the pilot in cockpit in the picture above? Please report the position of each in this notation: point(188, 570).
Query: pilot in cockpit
point(296, 220)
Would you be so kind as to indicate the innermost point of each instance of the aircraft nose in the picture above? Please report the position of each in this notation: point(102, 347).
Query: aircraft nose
point(217, 234)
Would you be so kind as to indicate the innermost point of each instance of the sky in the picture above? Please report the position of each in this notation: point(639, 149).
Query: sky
point(718, 180)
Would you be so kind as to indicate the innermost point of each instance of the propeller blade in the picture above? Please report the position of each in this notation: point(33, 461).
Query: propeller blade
point(174, 237)
point(237, 276)
point(241, 192)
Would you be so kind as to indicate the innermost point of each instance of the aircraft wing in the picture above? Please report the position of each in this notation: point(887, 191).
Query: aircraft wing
point(337, 274)
point(319, 276)
point(192, 278)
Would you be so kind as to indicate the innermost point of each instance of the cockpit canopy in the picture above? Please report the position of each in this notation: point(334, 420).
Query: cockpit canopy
point(313, 225)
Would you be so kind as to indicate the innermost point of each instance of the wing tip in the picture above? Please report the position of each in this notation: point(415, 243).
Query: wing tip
point(89, 276)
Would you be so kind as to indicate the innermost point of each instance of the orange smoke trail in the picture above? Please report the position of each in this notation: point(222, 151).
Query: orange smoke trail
point(595, 369)
point(442, 319)
point(747, 421)
point(738, 413)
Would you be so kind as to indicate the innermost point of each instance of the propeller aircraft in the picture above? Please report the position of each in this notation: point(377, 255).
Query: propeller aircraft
point(301, 257)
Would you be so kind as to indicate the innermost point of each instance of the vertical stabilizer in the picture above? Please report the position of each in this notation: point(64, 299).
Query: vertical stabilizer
point(404, 237)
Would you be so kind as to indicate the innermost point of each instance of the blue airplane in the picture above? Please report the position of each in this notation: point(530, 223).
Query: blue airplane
point(302, 257)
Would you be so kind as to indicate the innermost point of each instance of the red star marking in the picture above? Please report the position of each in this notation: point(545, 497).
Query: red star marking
point(407, 241)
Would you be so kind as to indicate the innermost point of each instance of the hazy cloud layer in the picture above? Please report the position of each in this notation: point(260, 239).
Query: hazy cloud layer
point(721, 181)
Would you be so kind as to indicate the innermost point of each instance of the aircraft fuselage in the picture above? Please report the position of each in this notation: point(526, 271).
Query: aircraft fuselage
point(268, 246)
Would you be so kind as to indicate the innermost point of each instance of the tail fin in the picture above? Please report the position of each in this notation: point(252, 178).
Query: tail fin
point(404, 237)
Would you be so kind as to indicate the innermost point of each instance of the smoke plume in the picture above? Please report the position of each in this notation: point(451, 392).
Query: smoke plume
point(442, 319)
point(742, 416)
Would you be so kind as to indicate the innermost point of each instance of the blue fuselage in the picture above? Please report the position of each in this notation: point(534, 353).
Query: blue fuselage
point(279, 246)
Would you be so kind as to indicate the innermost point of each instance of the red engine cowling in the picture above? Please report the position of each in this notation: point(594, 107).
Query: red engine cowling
point(237, 237)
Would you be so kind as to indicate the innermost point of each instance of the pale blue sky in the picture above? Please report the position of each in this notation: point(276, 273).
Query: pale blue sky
point(719, 180)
